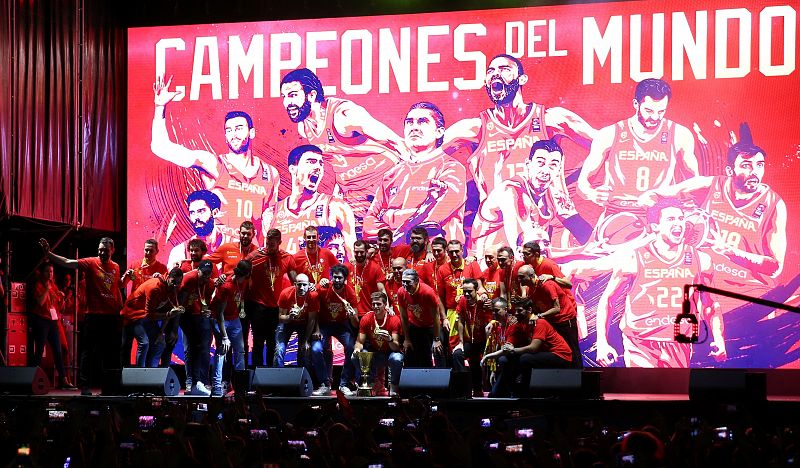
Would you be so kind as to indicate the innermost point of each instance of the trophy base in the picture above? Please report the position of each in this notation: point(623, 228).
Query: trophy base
point(364, 391)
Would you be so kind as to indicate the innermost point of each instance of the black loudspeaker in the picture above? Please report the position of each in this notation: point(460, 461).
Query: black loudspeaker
point(727, 385)
point(572, 383)
point(242, 381)
point(158, 381)
point(283, 381)
point(429, 382)
point(23, 381)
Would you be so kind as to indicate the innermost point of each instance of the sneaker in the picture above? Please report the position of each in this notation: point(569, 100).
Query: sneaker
point(189, 385)
point(323, 390)
point(217, 392)
point(200, 390)
point(394, 390)
point(346, 390)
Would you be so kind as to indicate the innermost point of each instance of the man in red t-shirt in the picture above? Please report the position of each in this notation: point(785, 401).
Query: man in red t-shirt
point(314, 261)
point(394, 284)
point(337, 317)
point(139, 272)
point(386, 252)
point(429, 271)
point(379, 332)
point(421, 313)
point(46, 305)
point(229, 254)
point(195, 295)
point(450, 276)
point(366, 277)
point(530, 343)
point(148, 303)
point(227, 306)
point(472, 318)
point(102, 335)
point(492, 275)
point(273, 270)
point(298, 308)
point(553, 303)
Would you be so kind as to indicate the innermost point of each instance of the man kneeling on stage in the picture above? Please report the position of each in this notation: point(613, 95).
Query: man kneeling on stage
point(379, 332)
point(531, 343)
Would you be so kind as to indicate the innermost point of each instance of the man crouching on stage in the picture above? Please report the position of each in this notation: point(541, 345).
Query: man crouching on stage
point(379, 332)
point(531, 343)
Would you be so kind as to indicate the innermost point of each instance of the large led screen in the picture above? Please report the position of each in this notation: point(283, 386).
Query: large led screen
point(645, 145)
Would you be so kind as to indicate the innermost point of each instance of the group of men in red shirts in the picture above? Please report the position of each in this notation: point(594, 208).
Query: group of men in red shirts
point(422, 304)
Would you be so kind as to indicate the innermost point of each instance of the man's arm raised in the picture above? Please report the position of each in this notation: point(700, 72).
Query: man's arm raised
point(160, 143)
point(350, 117)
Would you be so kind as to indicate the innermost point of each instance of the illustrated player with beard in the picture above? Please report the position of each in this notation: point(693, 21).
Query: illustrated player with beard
point(204, 207)
point(520, 207)
point(648, 282)
point(247, 185)
point(643, 152)
point(428, 188)
point(359, 148)
point(502, 136)
point(749, 242)
point(305, 206)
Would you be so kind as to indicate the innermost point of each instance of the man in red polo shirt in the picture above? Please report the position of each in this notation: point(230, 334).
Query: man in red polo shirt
point(530, 343)
point(271, 268)
point(366, 277)
point(421, 313)
point(102, 333)
point(298, 307)
point(553, 303)
point(149, 303)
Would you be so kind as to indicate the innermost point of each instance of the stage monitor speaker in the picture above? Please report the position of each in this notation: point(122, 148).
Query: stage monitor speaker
point(283, 381)
point(727, 385)
point(572, 383)
point(160, 381)
point(435, 383)
point(23, 381)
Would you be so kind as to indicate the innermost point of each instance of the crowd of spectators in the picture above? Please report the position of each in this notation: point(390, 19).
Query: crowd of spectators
point(333, 432)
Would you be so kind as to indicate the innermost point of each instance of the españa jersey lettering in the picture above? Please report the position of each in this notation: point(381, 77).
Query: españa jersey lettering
point(656, 295)
point(358, 162)
point(636, 165)
point(503, 151)
point(293, 224)
point(748, 227)
point(244, 199)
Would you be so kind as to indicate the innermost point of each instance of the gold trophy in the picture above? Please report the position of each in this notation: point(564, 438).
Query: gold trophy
point(365, 361)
